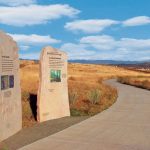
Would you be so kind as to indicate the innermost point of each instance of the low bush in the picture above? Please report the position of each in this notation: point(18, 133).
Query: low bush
point(146, 84)
point(139, 81)
point(76, 112)
point(73, 96)
point(94, 96)
point(72, 78)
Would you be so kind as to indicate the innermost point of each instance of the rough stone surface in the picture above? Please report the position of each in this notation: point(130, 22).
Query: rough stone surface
point(124, 126)
point(53, 89)
point(10, 92)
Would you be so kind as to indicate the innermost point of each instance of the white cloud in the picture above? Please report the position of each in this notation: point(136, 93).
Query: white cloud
point(77, 51)
point(81, 51)
point(136, 21)
point(98, 25)
point(134, 43)
point(34, 55)
point(103, 47)
point(17, 2)
point(106, 42)
point(34, 14)
point(33, 39)
point(24, 47)
point(102, 42)
point(90, 26)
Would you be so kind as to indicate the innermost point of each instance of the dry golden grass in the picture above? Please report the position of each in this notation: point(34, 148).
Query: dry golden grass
point(30, 73)
point(30, 78)
point(82, 87)
point(82, 79)
point(101, 71)
point(138, 81)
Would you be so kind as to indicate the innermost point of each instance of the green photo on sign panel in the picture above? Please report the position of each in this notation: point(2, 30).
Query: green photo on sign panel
point(55, 75)
point(4, 82)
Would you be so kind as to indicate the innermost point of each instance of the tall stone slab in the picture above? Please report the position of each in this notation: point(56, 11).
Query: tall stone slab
point(53, 89)
point(10, 92)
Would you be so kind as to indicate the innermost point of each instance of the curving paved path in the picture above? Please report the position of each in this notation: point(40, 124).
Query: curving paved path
point(124, 126)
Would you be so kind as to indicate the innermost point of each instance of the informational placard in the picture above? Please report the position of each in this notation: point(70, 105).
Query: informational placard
point(53, 88)
point(10, 92)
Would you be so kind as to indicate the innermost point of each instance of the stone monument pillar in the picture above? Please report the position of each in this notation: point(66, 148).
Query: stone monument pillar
point(10, 92)
point(53, 89)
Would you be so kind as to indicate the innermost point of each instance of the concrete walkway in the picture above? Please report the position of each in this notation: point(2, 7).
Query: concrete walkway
point(124, 126)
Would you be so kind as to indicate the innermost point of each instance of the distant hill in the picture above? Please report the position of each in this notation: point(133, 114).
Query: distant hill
point(145, 65)
point(111, 62)
point(107, 62)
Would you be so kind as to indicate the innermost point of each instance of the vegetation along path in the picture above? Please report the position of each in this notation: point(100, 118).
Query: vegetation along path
point(124, 126)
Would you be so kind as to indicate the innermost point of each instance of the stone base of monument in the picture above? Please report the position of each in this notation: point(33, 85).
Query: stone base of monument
point(10, 92)
point(53, 89)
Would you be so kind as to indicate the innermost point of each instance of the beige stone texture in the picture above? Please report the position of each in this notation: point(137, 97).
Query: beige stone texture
point(10, 92)
point(53, 89)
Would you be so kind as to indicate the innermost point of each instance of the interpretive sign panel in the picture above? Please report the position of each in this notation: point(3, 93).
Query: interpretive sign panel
point(10, 92)
point(53, 89)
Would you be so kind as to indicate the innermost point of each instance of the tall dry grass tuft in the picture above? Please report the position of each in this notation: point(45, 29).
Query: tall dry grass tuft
point(73, 96)
point(94, 96)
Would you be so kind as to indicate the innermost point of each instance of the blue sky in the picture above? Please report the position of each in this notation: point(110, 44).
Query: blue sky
point(85, 29)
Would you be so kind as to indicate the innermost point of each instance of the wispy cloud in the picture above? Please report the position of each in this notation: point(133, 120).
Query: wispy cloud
point(103, 42)
point(17, 2)
point(34, 39)
point(90, 26)
point(134, 44)
point(24, 47)
point(34, 14)
point(106, 42)
point(31, 55)
point(137, 21)
point(107, 47)
point(98, 25)
point(77, 51)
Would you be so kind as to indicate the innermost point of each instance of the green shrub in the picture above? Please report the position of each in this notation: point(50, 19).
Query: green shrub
point(94, 96)
point(76, 112)
point(4, 148)
point(73, 96)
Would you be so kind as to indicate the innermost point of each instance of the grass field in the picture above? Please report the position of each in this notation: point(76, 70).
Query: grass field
point(87, 94)
point(138, 81)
